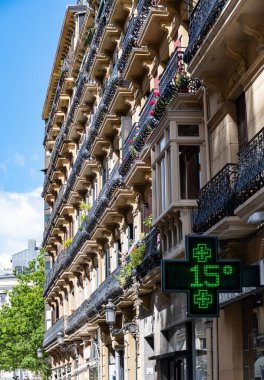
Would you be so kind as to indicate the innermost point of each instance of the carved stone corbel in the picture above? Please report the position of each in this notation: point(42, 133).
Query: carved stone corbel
point(253, 27)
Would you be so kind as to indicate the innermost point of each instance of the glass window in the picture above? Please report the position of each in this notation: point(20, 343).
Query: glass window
point(163, 184)
point(189, 161)
point(253, 338)
point(188, 130)
point(162, 144)
point(107, 263)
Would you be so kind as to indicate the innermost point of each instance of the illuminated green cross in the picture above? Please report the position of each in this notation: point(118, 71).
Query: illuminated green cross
point(202, 253)
point(202, 276)
point(203, 299)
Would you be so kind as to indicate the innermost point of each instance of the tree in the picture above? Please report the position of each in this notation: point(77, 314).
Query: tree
point(22, 322)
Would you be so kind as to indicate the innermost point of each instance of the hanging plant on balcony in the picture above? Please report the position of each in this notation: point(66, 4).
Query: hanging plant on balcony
point(67, 243)
point(148, 221)
point(85, 206)
point(134, 259)
point(181, 81)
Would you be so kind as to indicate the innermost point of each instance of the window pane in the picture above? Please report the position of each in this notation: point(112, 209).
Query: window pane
point(189, 171)
point(188, 130)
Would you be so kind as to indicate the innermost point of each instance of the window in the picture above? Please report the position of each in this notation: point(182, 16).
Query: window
point(163, 188)
point(105, 173)
point(241, 120)
point(188, 130)
point(189, 162)
point(107, 263)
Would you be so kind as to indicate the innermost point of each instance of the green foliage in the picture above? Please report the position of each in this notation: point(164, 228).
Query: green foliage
point(148, 221)
point(85, 206)
point(135, 259)
point(181, 80)
point(67, 243)
point(22, 322)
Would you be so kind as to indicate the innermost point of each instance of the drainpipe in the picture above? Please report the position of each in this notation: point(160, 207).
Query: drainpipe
point(207, 147)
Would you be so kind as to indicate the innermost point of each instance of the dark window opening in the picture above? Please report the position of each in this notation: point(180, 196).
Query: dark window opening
point(189, 171)
point(241, 112)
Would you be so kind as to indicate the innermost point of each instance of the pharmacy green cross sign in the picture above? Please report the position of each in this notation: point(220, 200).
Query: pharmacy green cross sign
point(202, 276)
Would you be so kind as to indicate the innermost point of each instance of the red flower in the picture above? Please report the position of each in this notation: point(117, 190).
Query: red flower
point(151, 113)
point(156, 93)
point(152, 102)
point(130, 141)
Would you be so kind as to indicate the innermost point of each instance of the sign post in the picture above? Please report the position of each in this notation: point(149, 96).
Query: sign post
point(202, 276)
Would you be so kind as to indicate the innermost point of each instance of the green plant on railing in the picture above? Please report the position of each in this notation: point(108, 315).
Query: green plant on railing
point(134, 260)
point(67, 243)
point(148, 221)
point(181, 81)
point(85, 206)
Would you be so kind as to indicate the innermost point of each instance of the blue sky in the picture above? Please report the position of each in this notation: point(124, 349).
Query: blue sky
point(29, 32)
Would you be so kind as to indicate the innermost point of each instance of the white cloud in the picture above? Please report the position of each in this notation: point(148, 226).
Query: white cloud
point(21, 219)
point(18, 159)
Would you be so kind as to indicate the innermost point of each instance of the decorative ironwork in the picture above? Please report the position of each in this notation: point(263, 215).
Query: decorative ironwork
point(54, 272)
point(82, 80)
point(51, 334)
point(133, 32)
point(64, 71)
point(92, 306)
point(250, 168)
point(56, 206)
point(202, 19)
point(152, 254)
point(216, 199)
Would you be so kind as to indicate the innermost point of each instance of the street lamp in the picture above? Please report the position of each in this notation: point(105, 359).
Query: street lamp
point(71, 348)
point(110, 312)
point(39, 353)
point(110, 316)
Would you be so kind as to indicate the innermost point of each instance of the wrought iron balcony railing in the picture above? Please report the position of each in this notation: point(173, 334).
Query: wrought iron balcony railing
point(202, 19)
point(50, 335)
point(56, 206)
point(64, 71)
point(84, 151)
point(250, 168)
point(155, 107)
point(152, 254)
point(133, 32)
point(81, 81)
point(54, 272)
point(95, 303)
point(216, 199)
point(110, 288)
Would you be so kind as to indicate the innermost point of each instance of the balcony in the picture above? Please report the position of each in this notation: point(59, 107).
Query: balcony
point(202, 19)
point(134, 29)
point(51, 334)
point(65, 259)
point(250, 168)
point(54, 272)
point(110, 288)
point(216, 199)
point(250, 177)
point(152, 254)
point(156, 106)
point(56, 206)
point(95, 304)
point(82, 80)
point(64, 72)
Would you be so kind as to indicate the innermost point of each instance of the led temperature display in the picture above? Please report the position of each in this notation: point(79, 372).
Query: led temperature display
point(201, 275)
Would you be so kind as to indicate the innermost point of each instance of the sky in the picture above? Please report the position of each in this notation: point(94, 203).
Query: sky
point(29, 33)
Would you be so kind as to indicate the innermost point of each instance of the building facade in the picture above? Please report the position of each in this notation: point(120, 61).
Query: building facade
point(21, 259)
point(153, 131)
